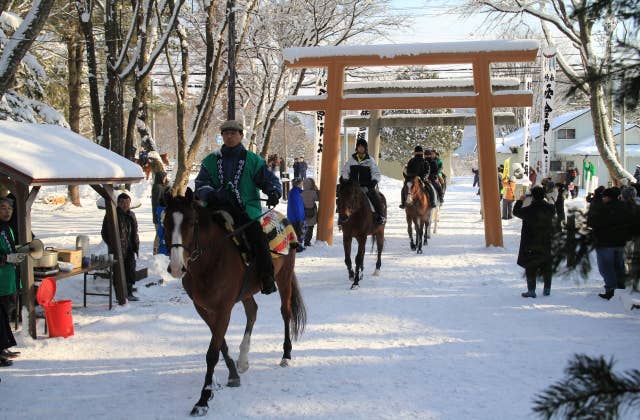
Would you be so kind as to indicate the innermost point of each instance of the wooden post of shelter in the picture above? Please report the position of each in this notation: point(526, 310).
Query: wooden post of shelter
point(21, 169)
point(119, 278)
point(478, 53)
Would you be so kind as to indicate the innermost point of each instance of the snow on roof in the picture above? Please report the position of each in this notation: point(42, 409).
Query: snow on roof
point(407, 95)
point(42, 154)
point(587, 147)
point(393, 50)
point(516, 138)
point(428, 83)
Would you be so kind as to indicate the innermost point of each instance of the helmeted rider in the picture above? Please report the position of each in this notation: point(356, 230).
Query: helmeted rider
point(417, 166)
point(362, 169)
point(232, 178)
point(430, 157)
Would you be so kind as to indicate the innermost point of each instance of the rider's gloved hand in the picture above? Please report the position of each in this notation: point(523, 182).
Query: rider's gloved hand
point(272, 199)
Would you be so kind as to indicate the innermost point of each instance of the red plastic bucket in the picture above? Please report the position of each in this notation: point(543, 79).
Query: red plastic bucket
point(59, 318)
point(57, 314)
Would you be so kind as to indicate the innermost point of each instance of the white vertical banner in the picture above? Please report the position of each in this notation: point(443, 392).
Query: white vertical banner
point(321, 89)
point(548, 85)
point(362, 131)
point(527, 132)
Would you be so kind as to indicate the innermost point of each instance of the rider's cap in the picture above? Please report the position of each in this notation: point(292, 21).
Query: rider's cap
point(231, 125)
point(417, 149)
point(362, 142)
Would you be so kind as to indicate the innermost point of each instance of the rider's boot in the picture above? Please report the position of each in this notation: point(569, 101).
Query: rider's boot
point(379, 218)
point(432, 197)
point(403, 196)
point(264, 263)
point(438, 188)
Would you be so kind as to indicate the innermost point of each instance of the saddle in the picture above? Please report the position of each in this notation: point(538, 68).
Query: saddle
point(279, 231)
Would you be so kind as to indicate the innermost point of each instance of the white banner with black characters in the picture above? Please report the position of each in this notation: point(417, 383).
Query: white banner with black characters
point(321, 89)
point(548, 84)
point(527, 132)
point(362, 131)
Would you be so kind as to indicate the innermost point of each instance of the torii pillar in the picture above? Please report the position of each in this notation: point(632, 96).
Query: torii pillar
point(478, 53)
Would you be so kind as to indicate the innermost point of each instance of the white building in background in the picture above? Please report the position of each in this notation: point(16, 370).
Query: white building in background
point(572, 142)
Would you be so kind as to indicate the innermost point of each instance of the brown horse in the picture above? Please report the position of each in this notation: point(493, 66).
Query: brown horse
point(356, 221)
point(418, 212)
point(216, 277)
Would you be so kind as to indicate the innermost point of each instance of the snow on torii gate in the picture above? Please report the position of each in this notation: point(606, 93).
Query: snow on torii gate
point(478, 53)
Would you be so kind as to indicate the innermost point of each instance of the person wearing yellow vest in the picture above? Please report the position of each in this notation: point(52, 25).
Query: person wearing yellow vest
point(509, 185)
point(231, 179)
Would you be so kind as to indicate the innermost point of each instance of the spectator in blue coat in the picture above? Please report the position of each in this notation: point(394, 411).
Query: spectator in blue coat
point(295, 211)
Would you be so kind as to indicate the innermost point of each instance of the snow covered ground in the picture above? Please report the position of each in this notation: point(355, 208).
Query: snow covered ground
point(443, 335)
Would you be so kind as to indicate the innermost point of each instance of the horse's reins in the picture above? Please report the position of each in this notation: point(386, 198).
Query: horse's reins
point(197, 251)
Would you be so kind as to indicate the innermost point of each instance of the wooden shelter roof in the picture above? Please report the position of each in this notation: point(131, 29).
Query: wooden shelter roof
point(38, 155)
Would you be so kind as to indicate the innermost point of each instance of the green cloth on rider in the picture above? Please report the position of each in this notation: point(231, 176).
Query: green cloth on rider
point(247, 188)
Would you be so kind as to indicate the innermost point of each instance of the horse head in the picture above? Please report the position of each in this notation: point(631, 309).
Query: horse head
point(351, 199)
point(179, 225)
point(416, 192)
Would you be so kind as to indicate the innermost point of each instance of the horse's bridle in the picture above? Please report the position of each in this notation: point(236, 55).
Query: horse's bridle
point(197, 251)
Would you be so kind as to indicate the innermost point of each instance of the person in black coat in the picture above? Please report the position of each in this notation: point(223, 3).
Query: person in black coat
point(129, 240)
point(535, 240)
point(417, 166)
point(612, 222)
point(560, 204)
point(300, 168)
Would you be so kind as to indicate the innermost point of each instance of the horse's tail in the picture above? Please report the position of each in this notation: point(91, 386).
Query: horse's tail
point(298, 310)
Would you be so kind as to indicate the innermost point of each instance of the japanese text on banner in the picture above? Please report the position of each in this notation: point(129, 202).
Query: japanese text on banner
point(548, 84)
point(527, 132)
point(321, 89)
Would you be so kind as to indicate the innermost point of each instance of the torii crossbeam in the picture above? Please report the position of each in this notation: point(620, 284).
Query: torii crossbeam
point(480, 54)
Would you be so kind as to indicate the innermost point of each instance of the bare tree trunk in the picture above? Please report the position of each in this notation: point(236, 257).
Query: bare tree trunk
point(181, 92)
point(85, 13)
point(15, 50)
point(74, 85)
point(604, 138)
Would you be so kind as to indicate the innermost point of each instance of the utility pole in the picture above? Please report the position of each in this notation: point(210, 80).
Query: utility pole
point(231, 60)
point(284, 140)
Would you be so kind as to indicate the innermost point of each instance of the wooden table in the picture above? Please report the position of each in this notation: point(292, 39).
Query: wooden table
point(103, 270)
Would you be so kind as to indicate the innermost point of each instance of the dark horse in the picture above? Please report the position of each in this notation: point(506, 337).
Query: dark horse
point(356, 221)
point(216, 277)
point(418, 211)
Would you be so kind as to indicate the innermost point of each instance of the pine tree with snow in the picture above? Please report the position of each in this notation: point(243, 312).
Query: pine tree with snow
point(591, 390)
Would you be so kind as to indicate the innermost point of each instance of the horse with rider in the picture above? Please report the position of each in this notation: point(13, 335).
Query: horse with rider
point(357, 194)
point(428, 167)
point(219, 248)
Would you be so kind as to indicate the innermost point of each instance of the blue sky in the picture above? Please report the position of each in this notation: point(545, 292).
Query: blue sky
point(432, 23)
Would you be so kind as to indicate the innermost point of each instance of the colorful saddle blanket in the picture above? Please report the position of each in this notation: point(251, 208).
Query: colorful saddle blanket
point(275, 225)
point(279, 232)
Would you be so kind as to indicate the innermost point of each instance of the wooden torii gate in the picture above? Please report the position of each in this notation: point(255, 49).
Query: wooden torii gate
point(375, 121)
point(480, 54)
